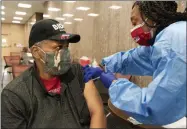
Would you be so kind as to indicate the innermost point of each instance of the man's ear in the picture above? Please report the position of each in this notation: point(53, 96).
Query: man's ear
point(35, 52)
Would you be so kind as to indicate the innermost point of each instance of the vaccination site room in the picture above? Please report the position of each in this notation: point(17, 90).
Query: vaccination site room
point(98, 64)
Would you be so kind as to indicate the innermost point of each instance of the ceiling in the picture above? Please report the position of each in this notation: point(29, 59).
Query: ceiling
point(64, 7)
point(12, 6)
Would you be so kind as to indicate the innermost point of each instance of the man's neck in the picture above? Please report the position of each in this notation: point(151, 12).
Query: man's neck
point(45, 76)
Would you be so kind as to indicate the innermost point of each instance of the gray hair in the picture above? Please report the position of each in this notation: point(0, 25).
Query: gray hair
point(40, 43)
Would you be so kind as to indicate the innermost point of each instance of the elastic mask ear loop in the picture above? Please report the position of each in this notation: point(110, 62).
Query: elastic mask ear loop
point(143, 23)
point(139, 25)
point(44, 55)
point(146, 19)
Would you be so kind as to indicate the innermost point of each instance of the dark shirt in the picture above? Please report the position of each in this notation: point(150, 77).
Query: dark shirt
point(26, 103)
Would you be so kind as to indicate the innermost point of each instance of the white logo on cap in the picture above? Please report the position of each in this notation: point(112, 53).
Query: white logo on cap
point(58, 26)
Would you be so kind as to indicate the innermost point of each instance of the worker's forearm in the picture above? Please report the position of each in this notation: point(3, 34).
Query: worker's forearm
point(98, 120)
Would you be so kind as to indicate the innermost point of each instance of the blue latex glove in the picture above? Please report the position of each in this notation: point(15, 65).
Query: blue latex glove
point(107, 78)
point(91, 73)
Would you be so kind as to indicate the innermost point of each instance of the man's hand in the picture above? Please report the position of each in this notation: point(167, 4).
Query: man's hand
point(95, 106)
point(91, 73)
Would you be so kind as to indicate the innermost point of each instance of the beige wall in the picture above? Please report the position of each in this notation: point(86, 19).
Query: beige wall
point(28, 25)
point(103, 35)
point(13, 33)
point(181, 5)
point(16, 33)
point(100, 36)
point(27, 28)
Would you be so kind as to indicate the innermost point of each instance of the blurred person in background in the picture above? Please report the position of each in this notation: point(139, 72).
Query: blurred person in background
point(25, 50)
point(24, 56)
point(51, 94)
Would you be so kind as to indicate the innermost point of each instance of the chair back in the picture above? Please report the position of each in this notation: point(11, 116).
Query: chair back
point(12, 60)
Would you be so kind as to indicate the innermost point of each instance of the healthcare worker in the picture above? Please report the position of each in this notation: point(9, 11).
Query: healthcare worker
point(161, 33)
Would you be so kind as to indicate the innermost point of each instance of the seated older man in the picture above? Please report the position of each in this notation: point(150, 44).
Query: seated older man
point(52, 93)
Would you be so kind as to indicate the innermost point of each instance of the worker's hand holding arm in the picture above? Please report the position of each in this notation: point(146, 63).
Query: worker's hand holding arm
point(133, 62)
point(95, 106)
point(91, 73)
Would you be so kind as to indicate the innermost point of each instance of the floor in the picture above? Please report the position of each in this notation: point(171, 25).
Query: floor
point(7, 76)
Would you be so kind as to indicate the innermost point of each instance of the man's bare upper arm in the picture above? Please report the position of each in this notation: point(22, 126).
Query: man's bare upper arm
point(93, 98)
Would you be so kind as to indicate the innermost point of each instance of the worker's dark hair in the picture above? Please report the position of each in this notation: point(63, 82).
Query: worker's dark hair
point(163, 13)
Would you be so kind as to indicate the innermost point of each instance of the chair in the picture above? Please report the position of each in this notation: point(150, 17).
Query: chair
point(9, 62)
point(18, 69)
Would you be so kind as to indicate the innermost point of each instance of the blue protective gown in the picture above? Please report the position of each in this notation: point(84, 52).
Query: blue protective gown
point(164, 100)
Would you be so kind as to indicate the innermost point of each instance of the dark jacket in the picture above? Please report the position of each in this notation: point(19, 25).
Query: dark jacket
point(26, 104)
